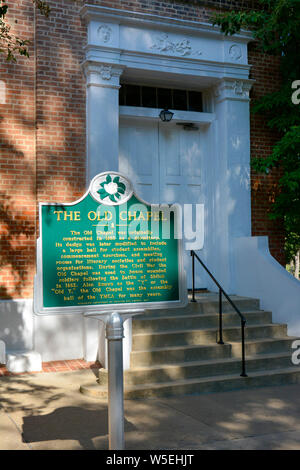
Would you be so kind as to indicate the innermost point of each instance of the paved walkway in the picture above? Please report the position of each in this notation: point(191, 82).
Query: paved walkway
point(46, 412)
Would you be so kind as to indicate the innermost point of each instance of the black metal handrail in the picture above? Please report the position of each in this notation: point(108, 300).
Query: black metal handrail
point(221, 293)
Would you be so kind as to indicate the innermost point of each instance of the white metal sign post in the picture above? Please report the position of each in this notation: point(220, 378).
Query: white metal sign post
point(114, 322)
point(114, 336)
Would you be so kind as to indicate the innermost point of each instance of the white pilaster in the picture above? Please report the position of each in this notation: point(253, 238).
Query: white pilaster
point(103, 83)
point(232, 195)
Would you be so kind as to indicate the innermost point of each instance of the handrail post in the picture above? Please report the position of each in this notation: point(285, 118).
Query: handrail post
point(220, 319)
point(193, 276)
point(243, 374)
point(221, 293)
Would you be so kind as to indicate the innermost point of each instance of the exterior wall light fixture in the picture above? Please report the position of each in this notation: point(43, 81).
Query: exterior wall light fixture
point(166, 115)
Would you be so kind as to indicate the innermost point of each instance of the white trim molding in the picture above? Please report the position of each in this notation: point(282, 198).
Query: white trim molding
point(103, 75)
point(233, 89)
point(146, 45)
point(178, 116)
point(113, 15)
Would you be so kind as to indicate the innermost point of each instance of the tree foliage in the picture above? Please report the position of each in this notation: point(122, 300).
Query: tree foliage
point(10, 44)
point(276, 28)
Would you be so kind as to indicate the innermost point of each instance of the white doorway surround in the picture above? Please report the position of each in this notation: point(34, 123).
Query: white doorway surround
point(158, 51)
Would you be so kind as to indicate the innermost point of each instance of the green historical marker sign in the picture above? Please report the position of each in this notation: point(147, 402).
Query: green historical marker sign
point(108, 250)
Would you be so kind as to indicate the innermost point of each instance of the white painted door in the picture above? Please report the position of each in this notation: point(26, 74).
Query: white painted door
point(139, 156)
point(180, 157)
point(164, 161)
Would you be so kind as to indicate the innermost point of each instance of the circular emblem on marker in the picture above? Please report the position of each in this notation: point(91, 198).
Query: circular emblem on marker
point(111, 188)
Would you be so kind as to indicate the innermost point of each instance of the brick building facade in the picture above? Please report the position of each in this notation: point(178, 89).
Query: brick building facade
point(43, 139)
point(43, 123)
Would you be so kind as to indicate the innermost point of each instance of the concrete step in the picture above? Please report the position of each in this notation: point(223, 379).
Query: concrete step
point(202, 385)
point(208, 303)
point(152, 324)
point(263, 346)
point(143, 341)
point(175, 354)
point(205, 368)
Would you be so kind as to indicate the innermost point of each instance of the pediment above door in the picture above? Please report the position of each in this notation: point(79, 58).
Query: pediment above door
point(142, 42)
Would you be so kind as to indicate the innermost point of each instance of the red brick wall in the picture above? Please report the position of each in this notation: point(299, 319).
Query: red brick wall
point(43, 134)
point(60, 101)
point(265, 70)
point(18, 176)
point(183, 9)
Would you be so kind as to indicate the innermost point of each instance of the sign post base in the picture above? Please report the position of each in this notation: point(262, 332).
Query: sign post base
point(114, 335)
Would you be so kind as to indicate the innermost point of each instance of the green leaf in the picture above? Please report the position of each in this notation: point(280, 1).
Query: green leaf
point(122, 186)
point(101, 192)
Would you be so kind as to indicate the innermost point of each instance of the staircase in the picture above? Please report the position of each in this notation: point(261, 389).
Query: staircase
point(175, 352)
